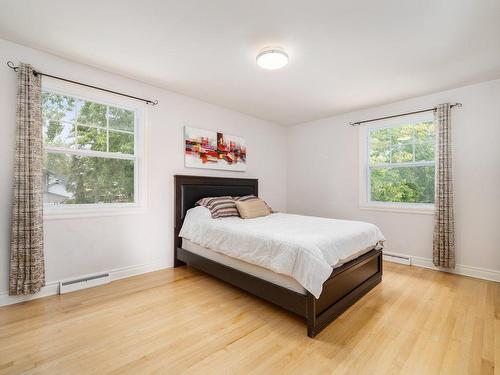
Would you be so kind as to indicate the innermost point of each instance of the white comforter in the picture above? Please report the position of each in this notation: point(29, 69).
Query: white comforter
point(305, 248)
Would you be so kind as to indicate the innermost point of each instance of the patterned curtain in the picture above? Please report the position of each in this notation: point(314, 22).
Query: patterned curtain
point(444, 222)
point(27, 268)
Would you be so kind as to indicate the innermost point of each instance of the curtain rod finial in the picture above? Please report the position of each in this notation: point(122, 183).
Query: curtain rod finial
point(11, 65)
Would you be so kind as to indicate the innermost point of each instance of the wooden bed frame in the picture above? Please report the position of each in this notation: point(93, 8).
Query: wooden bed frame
point(347, 283)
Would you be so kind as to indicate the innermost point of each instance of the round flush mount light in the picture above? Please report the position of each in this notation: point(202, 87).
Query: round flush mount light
point(272, 58)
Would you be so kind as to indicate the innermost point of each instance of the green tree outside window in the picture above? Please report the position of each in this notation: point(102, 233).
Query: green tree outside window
point(401, 163)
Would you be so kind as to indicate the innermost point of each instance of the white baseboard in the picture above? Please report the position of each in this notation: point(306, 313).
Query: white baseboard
point(121, 273)
point(460, 269)
point(52, 288)
point(48, 290)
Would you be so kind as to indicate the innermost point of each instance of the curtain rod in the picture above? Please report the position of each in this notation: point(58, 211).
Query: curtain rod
point(11, 65)
point(401, 114)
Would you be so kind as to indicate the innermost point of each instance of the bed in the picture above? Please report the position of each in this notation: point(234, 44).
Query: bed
point(346, 283)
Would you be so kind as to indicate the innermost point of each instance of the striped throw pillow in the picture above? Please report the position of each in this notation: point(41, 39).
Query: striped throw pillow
point(219, 206)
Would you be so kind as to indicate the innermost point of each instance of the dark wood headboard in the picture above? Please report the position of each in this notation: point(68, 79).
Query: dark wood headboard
point(190, 189)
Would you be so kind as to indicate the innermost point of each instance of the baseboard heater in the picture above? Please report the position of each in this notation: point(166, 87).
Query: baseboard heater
point(397, 258)
point(83, 283)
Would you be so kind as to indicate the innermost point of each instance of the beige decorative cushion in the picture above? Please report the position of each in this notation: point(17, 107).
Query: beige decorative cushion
point(252, 208)
point(243, 198)
point(249, 197)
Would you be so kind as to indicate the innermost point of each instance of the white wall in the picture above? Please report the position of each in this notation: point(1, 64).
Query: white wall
point(75, 247)
point(323, 175)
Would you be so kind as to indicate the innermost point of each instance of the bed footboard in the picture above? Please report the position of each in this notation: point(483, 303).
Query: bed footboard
point(346, 285)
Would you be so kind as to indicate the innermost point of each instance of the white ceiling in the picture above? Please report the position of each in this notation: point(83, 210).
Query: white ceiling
point(344, 55)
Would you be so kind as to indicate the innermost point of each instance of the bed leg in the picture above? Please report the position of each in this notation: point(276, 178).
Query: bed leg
point(177, 261)
point(311, 315)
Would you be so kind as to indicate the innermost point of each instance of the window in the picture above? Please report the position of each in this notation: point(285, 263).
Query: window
point(398, 164)
point(91, 152)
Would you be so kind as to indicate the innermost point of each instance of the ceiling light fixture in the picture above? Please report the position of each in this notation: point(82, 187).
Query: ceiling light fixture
point(272, 58)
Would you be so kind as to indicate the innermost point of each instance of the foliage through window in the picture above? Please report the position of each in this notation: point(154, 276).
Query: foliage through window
point(401, 163)
point(90, 151)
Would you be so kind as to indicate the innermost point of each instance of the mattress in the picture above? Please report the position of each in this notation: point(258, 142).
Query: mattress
point(251, 269)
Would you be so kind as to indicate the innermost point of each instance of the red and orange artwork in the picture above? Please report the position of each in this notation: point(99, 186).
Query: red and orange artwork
point(214, 150)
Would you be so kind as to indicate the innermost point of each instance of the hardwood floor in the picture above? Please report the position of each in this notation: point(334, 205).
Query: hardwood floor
point(417, 321)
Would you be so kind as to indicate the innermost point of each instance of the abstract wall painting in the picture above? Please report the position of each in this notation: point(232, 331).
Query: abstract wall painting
point(213, 150)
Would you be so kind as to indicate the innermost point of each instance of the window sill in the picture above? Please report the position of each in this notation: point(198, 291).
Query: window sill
point(77, 212)
point(409, 209)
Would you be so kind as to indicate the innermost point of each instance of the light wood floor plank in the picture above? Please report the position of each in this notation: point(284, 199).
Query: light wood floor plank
point(417, 321)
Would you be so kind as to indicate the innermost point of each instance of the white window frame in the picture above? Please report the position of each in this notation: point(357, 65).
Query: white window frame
point(62, 211)
point(365, 203)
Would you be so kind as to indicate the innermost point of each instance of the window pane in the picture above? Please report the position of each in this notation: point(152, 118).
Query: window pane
point(121, 119)
point(403, 184)
point(73, 179)
point(90, 113)
point(58, 107)
point(424, 151)
point(121, 142)
point(395, 145)
point(91, 138)
point(58, 133)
